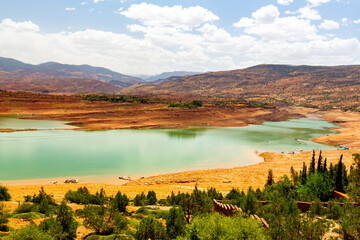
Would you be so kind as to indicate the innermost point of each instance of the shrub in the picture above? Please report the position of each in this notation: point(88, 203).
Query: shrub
point(4, 195)
point(25, 208)
point(335, 211)
point(151, 198)
point(140, 199)
point(53, 228)
point(65, 218)
point(41, 196)
point(175, 223)
point(31, 232)
point(121, 201)
point(216, 226)
point(28, 215)
point(3, 219)
point(149, 228)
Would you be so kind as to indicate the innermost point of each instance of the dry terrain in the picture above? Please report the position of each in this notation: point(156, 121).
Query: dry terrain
point(95, 115)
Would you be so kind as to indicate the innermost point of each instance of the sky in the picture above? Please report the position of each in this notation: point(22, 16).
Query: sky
point(150, 37)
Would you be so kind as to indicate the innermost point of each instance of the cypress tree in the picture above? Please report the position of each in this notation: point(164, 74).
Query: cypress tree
point(339, 186)
point(270, 179)
point(304, 174)
point(175, 223)
point(319, 164)
point(312, 164)
point(324, 169)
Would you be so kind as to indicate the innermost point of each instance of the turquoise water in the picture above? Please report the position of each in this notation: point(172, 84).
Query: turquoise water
point(61, 153)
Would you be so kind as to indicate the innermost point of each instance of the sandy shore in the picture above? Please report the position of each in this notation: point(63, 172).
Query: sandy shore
point(240, 177)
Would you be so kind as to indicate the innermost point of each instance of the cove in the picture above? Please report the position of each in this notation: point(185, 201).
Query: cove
point(105, 155)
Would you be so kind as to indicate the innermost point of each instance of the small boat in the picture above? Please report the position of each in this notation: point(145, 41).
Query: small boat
point(124, 178)
point(71, 180)
point(53, 182)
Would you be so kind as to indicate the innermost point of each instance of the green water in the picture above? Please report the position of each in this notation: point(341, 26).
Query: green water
point(61, 153)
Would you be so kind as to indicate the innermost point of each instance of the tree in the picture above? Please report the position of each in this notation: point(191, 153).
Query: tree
point(312, 164)
point(317, 186)
point(3, 219)
point(319, 164)
point(65, 218)
point(270, 179)
point(303, 174)
point(4, 195)
point(94, 219)
point(175, 223)
point(339, 184)
point(121, 201)
point(140, 199)
point(151, 198)
point(149, 228)
point(325, 166)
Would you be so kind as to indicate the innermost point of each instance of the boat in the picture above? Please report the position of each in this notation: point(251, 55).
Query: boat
point(124, 178)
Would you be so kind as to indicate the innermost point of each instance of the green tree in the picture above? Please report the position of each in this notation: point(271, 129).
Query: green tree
point(121, 201)
point(270, 179)
point(3, 218)
point(303, 174)
point(339, 184)
point(4, 195)
point(65, 218)
point(319, 163)
point(312, 164)
point(317, 186)
point(175, 223)
point(151, 198)
point(149, 228)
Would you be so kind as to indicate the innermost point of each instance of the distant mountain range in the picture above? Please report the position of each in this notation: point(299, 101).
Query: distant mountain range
point(51, 77)
point(333, 85)
point(166, 75)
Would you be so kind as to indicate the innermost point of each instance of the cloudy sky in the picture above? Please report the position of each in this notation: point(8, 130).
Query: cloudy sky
point(150, 37)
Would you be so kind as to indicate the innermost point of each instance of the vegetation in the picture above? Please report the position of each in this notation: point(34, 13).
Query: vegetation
point(4, 195)
point(192, 104)
point(191, 215)
point(83, 196)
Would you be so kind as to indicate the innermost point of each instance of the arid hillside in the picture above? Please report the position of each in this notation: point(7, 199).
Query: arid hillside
point(303, 85)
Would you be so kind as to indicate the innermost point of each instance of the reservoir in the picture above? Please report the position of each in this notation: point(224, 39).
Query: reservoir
point(103, 156)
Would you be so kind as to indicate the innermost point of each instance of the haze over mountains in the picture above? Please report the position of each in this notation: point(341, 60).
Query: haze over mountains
point(293, 83)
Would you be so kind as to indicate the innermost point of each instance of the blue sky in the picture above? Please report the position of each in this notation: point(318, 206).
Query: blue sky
point(150, 37)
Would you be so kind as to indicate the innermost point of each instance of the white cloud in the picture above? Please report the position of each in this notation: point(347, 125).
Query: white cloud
point(316, 3)
point(176, 16)
point(357, 21)
point(96, 1)
point(266, 14)
point(309, 13)
point(161, 48)
point(267, 24)
point(329, 25)
point(284, 2)
point(70, 9)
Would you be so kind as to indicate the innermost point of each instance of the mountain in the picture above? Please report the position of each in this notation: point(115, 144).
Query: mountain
point(9, 64)
point(335, 85)
point(65, 70)
point(52, 77)
point(166, 75)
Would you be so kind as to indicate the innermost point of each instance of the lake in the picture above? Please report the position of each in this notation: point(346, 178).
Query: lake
point(102, 156)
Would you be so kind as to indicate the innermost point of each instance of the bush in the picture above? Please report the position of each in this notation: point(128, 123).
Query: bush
point(41, 197)
point(3, 219)
point(149, 228)
point(216, 226)
point(65, 218)
point(95, 220)
point(335, 211)
point(151, 198)
point(53, 228)
point(175, 223)
point(140, 199)
point(121, 201)
point(4, 195)
point(83, 196)
point(31, 232)
point(25, 208)
point(28, 216)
